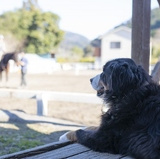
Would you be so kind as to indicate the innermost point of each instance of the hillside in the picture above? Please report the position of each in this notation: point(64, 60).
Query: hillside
point(155, 22)
point(155, 19)
point(155, 27)
point(74, 39)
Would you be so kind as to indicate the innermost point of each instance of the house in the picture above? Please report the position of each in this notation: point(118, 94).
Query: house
point(114, 44)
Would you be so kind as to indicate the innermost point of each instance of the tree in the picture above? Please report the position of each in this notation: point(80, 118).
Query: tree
point(44, 34)
point(37, 31)
point(77, 51)
point(88, 50)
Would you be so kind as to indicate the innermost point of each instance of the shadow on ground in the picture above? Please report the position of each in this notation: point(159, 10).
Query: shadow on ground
point(20, 131)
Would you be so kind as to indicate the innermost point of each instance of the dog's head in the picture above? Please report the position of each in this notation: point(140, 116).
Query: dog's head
point(120, 76)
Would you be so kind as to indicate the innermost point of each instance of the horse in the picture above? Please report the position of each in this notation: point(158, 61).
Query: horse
point(4, 63)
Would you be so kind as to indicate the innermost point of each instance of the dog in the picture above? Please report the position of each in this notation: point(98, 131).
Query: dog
point(131, 126)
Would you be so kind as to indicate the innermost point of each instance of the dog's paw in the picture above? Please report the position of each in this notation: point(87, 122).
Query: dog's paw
point(64, 137)
point(69, 136)
point(82, 136)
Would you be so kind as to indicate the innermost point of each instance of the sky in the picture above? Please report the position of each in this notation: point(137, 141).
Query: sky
point(90, 18)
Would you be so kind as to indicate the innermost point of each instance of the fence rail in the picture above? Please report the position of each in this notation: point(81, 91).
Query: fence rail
point(43, 97)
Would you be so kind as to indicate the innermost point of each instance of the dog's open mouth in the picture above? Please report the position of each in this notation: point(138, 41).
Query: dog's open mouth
point(100, 92)
point(98, 85)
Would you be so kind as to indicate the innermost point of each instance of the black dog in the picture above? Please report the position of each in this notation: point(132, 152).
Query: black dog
point(131, 126)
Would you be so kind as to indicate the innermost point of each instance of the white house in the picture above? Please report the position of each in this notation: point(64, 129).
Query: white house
point(114, 44)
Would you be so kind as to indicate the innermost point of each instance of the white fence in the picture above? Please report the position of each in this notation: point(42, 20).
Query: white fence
point(43, 97)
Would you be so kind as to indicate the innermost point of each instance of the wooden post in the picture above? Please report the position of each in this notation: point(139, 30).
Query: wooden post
point(141, 32)
point(42, 105)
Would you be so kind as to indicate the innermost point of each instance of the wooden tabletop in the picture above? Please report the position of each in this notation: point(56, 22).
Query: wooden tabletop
point(61, 150)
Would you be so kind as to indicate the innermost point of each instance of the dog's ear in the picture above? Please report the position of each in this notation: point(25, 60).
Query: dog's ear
point(122, 78)
point(143, 76)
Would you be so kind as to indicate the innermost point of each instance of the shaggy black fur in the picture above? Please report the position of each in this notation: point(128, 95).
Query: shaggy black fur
point(131, 126)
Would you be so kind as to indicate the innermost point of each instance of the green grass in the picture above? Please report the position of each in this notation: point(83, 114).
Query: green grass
point(17, 140)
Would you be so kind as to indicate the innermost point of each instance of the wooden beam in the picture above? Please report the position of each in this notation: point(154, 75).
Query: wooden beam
point(141, 32)
point(36, 151)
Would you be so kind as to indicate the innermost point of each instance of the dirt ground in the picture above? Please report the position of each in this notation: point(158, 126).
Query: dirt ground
point(67, 81)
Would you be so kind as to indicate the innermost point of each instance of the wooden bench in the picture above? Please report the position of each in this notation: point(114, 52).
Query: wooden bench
point(62, 150)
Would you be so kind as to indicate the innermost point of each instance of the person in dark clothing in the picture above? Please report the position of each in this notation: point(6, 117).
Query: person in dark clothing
point(24, 64)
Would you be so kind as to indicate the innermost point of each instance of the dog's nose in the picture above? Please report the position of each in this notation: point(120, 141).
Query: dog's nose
point(91, 80)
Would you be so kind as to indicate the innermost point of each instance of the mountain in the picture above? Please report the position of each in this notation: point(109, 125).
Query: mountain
point(155, 26)
point(155, 19)
point(155, 22)
point(73, 39)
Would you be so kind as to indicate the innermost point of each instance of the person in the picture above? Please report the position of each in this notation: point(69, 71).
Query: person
point(23, 63)
point(2, 46)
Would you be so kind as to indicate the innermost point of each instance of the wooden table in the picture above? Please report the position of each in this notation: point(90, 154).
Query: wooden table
point(61, 150)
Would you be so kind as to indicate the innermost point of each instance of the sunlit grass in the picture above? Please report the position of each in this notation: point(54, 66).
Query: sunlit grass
point(8, 126)
point(42, 128)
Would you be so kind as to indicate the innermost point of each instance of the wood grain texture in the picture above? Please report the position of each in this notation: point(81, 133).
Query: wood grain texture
point(62, 150)
point(35, 151)
point(141, 32)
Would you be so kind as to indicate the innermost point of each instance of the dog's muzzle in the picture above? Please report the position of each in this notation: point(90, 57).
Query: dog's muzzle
point(97, 85)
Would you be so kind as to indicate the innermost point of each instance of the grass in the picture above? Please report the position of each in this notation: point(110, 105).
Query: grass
point(12, 140)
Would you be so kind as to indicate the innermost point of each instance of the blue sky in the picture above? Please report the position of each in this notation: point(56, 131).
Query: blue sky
point(90, 18)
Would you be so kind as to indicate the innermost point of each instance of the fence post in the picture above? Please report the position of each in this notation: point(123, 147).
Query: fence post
point(42, 104)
